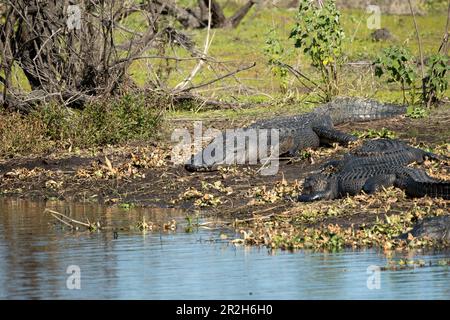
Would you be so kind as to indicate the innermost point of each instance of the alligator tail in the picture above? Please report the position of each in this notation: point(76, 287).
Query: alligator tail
point(437, 189)
point(343, 110)
point(436, 157)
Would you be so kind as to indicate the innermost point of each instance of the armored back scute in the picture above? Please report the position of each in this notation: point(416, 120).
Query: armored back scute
point(308, 130)
point(348, 109)
point(376, 164)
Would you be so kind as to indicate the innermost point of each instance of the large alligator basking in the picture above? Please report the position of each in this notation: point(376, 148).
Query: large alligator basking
point(297, 132)
point(376, 164)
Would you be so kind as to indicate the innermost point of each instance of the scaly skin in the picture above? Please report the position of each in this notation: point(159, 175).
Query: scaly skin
point(381, 151)
point(299, 132)
point(363, 172)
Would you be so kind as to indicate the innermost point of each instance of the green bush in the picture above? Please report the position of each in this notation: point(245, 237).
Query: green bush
point(319, 34)
point(436, 80)
point(274, 52)
point(415, 112)
point(397, 64)
point(112, 121)
point(58, 121)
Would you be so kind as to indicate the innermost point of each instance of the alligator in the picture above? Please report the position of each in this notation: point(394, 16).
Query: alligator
point(437, 228)
point(298, 132)
point(381, 151)
point(376, 164)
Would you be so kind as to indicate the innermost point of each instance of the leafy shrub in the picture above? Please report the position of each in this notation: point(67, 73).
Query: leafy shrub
point(373, 133)
point(110, 122)
point(274, 52)
point(399, 66)
point(319, 34)
point(436, 81)
point(396, 63)
point(416, 112)
point(103, 122)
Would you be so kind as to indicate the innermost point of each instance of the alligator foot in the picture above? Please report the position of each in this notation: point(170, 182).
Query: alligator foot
point(328, 135)
point(375, 183)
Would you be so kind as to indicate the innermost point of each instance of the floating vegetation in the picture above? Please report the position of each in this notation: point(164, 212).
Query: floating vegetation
point(144, 225)
point(408, 264)
point(170, 226)
point(384, 217)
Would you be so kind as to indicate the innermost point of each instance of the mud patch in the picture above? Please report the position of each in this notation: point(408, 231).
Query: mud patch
point(142, 175)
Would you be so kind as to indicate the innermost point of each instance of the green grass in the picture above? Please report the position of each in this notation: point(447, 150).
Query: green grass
point(245, 44)
point(233, 48)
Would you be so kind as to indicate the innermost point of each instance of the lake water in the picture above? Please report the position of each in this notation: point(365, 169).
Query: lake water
point(38, 259)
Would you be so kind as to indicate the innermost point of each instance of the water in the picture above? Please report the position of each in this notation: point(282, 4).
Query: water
point(35, 254)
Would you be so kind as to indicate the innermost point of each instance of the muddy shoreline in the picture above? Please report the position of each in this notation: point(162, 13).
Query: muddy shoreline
point(141, 175)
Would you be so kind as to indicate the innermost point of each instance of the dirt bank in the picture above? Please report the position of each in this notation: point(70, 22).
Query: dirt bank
point(142, 174)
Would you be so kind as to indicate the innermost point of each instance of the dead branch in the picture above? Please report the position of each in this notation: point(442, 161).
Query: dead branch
point(75, 63)
point(219, 78)
point(185, 82)
point(69, 221)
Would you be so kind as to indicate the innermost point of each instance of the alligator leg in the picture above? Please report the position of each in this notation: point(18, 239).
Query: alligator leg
point(328, 135)
point(436, 157)
point(374, 184)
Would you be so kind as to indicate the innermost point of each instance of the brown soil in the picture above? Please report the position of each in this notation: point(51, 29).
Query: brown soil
point(142, 175)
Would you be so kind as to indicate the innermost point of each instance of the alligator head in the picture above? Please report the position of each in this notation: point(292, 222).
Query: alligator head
point(317, 187)
point(315, 183)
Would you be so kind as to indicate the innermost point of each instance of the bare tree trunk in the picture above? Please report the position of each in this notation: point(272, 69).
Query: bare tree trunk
point(62, 62)
point(185, 16)
point(198, 18)
point(204, 11)
point(73, 65)
point(218, 19)
point(236, 19)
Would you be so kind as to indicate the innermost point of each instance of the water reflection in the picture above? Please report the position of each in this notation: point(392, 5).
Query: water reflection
point(35, 254)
